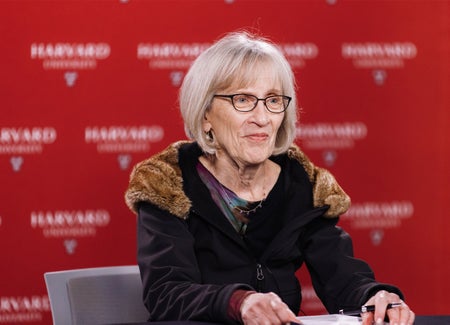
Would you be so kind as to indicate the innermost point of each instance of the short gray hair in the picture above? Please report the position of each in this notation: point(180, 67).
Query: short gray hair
point(234, 58)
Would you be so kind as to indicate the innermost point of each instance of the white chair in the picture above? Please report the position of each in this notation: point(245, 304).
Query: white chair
point(103, 295)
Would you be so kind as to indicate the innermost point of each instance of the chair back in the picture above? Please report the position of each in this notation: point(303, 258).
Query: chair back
point(104, 295)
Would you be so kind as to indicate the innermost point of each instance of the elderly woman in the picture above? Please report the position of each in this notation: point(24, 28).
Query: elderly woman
point(225, 220)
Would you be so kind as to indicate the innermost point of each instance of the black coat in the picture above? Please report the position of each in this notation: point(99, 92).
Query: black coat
point(190, 266)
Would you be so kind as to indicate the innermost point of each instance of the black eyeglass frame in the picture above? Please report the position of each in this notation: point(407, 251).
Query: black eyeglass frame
point(284, 97)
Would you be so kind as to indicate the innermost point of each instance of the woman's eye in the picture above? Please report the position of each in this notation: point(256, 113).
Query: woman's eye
point(242, 99)
point(274, 100)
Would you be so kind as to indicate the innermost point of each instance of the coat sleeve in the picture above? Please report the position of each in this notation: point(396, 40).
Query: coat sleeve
point(172, 283)
point(339, 279)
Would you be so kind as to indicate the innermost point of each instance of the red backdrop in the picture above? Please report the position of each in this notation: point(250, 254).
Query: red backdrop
point(89, 88)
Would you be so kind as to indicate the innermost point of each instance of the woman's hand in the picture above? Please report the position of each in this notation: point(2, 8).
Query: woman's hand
point(266, 309)
point(400, 315)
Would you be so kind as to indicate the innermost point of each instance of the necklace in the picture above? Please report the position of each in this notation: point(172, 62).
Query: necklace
point(258, 204)
point(247, 212)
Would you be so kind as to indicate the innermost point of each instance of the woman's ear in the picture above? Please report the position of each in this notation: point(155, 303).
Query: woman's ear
point(206, 124)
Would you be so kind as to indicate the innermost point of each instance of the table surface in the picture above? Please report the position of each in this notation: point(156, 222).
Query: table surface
point(420, 320)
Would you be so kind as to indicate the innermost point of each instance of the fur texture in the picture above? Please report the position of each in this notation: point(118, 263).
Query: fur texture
point(158, 180)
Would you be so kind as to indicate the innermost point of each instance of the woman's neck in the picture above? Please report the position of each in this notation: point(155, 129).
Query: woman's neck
point(249, 182)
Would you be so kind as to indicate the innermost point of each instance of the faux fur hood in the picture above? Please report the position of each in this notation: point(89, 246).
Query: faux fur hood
point(158, 180)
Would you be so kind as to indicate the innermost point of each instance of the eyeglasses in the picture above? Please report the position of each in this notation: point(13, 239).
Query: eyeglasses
point(246, 103)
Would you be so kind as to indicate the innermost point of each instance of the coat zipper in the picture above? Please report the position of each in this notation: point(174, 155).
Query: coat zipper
point(259, 277)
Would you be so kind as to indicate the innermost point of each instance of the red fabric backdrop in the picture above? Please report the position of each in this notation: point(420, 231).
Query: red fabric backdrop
point(89, 88)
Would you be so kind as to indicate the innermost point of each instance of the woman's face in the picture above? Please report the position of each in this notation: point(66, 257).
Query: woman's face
point(245, 138)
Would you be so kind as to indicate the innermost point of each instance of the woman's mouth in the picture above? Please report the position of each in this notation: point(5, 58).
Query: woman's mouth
point(258, 137)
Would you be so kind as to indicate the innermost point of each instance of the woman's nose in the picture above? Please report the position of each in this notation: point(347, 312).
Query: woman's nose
point(261, 113)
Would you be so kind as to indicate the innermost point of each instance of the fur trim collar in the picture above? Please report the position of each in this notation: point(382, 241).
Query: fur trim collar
point(158, 180)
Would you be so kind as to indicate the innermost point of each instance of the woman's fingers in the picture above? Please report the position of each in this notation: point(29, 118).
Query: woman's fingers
point(266, 308)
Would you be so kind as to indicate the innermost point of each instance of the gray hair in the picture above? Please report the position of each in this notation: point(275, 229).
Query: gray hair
point(234, 58)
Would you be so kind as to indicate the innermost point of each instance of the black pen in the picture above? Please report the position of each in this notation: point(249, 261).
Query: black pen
point(366, 308)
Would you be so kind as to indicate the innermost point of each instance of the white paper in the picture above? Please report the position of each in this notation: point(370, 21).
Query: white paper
point(333, 319)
